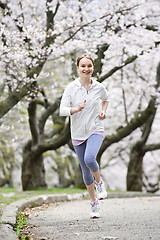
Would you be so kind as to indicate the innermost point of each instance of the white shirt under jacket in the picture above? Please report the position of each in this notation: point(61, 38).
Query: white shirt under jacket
point(87, 121)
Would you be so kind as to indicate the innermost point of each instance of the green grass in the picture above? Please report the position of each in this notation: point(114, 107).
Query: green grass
point(25, 194)
point(6, 200)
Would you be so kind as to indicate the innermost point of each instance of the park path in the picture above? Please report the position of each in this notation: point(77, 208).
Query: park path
point(122, 219)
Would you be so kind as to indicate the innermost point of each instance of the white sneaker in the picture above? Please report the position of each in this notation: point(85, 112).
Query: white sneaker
point(94, 209)
point(100, 190)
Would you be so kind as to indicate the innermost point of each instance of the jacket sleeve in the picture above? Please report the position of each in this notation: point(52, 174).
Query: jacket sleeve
point(104, 94)
point(65, 105)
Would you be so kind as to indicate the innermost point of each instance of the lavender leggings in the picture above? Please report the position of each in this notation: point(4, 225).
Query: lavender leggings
point(87, 153)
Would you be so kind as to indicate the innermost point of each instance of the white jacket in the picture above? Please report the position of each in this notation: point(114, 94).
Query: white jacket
point(87, 121)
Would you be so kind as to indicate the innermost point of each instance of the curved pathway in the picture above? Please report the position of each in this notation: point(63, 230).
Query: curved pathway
point(122, 218)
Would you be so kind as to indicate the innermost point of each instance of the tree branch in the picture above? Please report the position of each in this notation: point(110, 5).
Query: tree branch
point(115, 69)
point(148, 124)
point(126, 62)
point(55, 143)
point(128, 129)
point(50, 14)
point(96, 19)
point(13, 98)
point(98, 62)
point(151, 147)
point(123, 92)
point(3, 5)
point(47, 113)
point(18, 94)
point(158, 77)
point(58, 127)
point(33, 122)
point(136, 122)
point(147, 128)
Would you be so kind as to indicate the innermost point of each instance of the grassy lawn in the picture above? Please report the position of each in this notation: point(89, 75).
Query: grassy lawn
point(9, 194)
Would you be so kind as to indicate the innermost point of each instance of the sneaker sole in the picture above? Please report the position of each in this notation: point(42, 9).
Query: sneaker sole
point(102, 198)
point(94, 217)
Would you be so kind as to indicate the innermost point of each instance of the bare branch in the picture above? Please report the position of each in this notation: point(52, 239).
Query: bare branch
point(3, 5)
point(33, 122)
point(13, 98)
point(158, 77)
point(50, 15)
point(151, 147)
point(56, 142)
point(147, 128)
point(129, 128)
point(47, 113)
point(126, 62)
point(96, 19)
point(100, 56)
point(123, 92)
point(115, 69)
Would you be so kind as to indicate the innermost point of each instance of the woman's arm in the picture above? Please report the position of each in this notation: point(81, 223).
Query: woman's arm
point(65, 105)
point(81, 105)
point(102, 114)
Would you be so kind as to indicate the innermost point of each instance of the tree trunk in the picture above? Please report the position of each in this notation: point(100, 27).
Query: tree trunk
point(134, 174)
point(33, 173)
point(79, 179)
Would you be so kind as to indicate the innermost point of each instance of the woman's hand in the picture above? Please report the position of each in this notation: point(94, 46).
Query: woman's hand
point(81, 105)
point(102, 115)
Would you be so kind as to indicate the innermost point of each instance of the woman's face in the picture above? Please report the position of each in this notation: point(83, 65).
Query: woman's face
point(85, 68)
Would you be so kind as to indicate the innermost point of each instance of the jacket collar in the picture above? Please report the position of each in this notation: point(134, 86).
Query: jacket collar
point(77, 82)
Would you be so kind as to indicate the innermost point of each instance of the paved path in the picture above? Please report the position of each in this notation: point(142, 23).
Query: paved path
point(123, 219)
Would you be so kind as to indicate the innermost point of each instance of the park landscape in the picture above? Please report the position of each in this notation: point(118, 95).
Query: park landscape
point(40, 42)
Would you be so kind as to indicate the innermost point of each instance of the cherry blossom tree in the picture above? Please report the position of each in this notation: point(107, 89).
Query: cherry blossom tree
point(123, 37)
point(32, 31)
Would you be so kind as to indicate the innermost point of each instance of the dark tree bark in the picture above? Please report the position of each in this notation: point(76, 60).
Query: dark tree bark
point(7, 163)
point(98, 61)
point(33, 173)
point(123, 132)
point(138, 150)
point(79, 179)
point(134, 173)
point(42, 142)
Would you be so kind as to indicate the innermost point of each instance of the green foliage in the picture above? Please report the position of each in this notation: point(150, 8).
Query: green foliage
point(7, 162)
point(6, 199)
point(34, 204)
point(21, 224)
point(38, 191)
